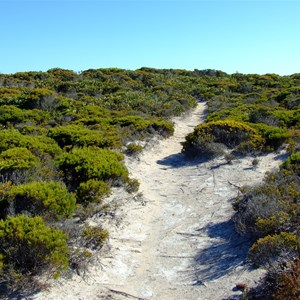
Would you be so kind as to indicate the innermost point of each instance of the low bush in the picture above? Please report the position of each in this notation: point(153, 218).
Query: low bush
point(133, 149)
point(83, 164)
point(76, 135)
point(282, 283)
point(94, 236)
point(28, 247)
point(271, 207)
point(140, 127)
point(16, 159)
point(270, 213)
point(206, 137)
point(10, 114)
point(45, 198)
point(132, 185)
point(271, 247)
point(37, 144)
point(292, 161)
point(274, 136)
point(92, 191)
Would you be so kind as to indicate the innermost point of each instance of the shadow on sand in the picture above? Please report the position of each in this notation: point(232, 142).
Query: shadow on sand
point(223, 256)
point(179, 160)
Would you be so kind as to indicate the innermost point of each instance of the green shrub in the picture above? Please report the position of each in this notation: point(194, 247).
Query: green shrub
point(270, 247)
point(81, 165)
point(40, 98)
point(38, 144)
point(76, 135)
point(232, 134)
point(138, 125)
point(271, 207)
point(46, 198)
point(133, 149)
point(132, 185)
point(29, 247)
point(293, 160)
point(94, 236)
point(92, 191)
point(274, 136)
point(16, 159)
point(11, 114)
point(9, 95)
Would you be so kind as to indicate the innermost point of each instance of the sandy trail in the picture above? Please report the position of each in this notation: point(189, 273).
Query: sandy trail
point(176, 240)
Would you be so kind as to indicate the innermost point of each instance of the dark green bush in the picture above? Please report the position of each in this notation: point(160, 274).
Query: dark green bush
point(293, 160)
point(28, 247)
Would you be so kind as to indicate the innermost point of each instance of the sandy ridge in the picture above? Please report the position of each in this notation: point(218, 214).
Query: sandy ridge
point(173, 240)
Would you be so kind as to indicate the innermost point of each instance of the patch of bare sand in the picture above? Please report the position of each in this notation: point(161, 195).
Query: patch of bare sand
point(175, 240)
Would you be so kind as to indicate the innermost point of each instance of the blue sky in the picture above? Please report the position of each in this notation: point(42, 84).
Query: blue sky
point(232, 36)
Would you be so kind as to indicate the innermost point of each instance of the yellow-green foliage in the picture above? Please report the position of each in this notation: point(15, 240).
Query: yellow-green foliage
point(9, 96)
point(76, 135)
point(11, 114)
point(133, 149)
point(132, 185)
point(94, 236)
point(137, 124)
point(28, 246)
point(293, 160)
point(230, 133)
point(47, 198)
point(270, 247)
point(38, 144)
point(273, 136)
point(83, 164)
point(271, 224)
point(271, 207)
point(92, 191)
point(16, 159)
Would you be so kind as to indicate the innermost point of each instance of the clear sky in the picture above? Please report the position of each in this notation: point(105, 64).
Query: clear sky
point(232, 36)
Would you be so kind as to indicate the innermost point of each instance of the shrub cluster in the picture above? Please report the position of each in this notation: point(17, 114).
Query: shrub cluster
point(83, 164)
point(206, 139)
point(269, 214)
point(29, 247)
point(42, 198)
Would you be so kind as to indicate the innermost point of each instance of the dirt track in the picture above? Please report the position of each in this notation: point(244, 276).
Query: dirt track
point(175, 240)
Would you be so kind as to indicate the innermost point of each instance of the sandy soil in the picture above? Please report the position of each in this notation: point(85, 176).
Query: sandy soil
point(174, 239)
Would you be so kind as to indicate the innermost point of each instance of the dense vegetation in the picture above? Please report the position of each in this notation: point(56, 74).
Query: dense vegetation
point(63, 136)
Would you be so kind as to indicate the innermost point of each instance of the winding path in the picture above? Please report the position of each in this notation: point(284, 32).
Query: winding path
point(175, 239)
